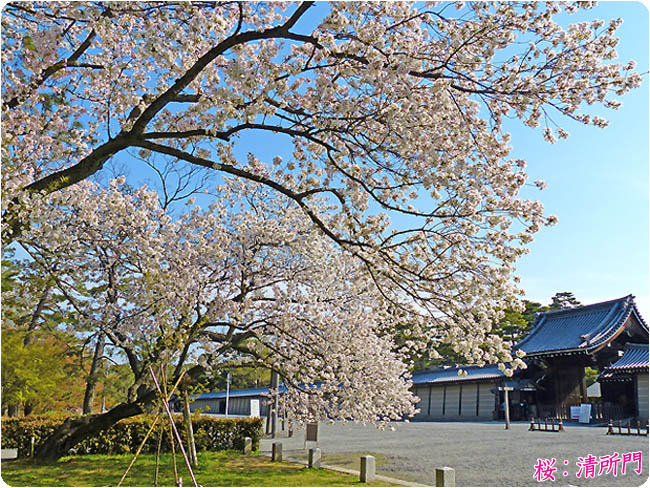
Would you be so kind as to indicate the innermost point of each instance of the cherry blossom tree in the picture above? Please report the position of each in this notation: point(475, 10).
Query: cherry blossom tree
point(391, 110)
point(247, 281)
point(394, 115)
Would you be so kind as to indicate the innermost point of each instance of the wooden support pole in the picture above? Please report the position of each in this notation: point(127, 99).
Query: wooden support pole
point(189, 430)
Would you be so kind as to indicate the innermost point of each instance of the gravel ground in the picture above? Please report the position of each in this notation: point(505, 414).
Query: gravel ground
point(482, 453)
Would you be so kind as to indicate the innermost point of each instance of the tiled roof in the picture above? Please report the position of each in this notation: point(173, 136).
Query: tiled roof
point(580, 328)
point(634, 358)
point(449, 375)
point(251, 392)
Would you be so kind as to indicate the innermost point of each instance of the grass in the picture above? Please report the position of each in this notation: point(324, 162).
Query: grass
point(223, 468)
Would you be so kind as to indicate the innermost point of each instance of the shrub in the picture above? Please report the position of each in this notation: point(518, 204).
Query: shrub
point(210, 434)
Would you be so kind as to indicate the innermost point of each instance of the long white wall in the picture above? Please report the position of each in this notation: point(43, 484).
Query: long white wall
point(442, 402)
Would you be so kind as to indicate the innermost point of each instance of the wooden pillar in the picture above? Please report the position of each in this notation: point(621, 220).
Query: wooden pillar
point(507, 409)
point(583, 388)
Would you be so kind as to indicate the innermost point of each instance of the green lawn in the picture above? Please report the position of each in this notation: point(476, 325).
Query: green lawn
point(223, 468)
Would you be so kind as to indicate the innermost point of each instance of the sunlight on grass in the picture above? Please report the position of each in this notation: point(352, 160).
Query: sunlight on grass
point(223, 468)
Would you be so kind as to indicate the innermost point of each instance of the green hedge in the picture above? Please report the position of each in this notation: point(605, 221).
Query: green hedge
point(210, 434)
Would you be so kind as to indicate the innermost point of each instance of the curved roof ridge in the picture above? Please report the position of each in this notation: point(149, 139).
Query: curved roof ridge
point(637, 314)
point(581, 308)
point(616, 317)
point(581, 328)
point(635, 357)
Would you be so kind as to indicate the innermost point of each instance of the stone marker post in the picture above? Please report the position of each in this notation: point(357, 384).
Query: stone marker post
point(248, 445)
point(445, 477)
point(314, 457)
point(367, 474)
point(276, 452)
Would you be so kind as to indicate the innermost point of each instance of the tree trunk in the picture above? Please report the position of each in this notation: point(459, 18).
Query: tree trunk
point(27, 409)
point(36, 315)
point(93, 376)
point(75, 430)
point(13, 410)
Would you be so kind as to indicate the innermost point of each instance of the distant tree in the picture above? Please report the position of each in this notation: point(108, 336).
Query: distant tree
point(516, 324)
point(240, 378)
point(446, 356)
point(40, 370)
point(564, 299)
point(40, 376)
point(591, 375)
point(115, 381)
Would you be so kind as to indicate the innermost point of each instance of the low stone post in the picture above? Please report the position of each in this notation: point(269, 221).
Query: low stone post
point(248, 445)
point(314, 457)
point(10, 453)
point(31, 446)
point(367, 474)
point(445, 476)
point(276, 452)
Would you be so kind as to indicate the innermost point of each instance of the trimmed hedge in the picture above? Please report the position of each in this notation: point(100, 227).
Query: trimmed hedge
point(210, 434)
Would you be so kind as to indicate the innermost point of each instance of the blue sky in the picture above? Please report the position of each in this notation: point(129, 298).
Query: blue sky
point(598, 187)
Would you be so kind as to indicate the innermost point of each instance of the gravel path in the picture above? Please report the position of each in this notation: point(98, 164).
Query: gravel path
point(482, 453)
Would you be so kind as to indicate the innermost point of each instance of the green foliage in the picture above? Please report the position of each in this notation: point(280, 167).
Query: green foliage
point(39, 368)
point(447, 357)
point(42, 374)
point(210, 434)
point(515, 325)
point(240, 378)
point(591, 374)
point(564, 299)
point(116, 384)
